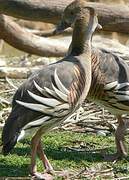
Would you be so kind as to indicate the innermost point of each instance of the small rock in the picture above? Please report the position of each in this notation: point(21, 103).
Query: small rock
point(101, 133)
point(2, 63)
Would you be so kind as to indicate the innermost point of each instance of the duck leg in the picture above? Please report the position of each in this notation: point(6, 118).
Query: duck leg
point(34, 145)
point(43, 157)
point(119, 140)
point(48, 167)
point(37, 149)
point(119, 137)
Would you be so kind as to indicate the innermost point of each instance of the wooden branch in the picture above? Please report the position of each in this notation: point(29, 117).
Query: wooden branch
point(17, 72)
point(44, 33)
point(23, 40)
point(1, 45)
point(111, 17)
point(49, 33)
point(110, 45)
point(39, 10)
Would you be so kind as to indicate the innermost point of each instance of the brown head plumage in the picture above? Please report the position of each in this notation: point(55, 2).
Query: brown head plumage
point(77, 8)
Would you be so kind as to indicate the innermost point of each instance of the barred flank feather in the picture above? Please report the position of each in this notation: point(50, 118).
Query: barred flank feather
point(119, 96)
point(77, 86)
point(54, 105)
point(106, 88)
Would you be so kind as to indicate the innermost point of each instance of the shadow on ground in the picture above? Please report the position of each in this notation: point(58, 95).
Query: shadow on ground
point(7, 169)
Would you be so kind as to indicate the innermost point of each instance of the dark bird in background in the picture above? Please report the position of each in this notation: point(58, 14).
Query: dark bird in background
point(52, 93)
point(110, 80)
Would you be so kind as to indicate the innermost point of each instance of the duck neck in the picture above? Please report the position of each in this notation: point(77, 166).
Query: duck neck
point(81, 39)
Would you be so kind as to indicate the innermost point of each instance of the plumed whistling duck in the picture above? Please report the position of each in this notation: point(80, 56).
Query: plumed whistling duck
point(52, 93)
point(110, 79)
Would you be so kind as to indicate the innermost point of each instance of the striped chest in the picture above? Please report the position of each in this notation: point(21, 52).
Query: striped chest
point(107, 91)
point(98, 81)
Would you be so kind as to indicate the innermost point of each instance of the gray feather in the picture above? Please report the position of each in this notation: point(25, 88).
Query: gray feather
point(59, 84)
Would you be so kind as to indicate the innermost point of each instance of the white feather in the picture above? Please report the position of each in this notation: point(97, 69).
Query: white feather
point(60, 94)
point(110, 85)
point(122, 97)
point(63, 107)
point(36, 107)
point(59, 84)
point(121, 85)
point(38, 87)
point(123, 92)
point(21, 136)
point(38, 122)
point(50, 92)
point(47, 101)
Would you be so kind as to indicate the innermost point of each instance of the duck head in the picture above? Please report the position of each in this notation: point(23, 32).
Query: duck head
point(71, 13)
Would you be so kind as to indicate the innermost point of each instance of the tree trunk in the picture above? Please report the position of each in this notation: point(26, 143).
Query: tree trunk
point(23, 40)
point(17, 72)
point(111, 17)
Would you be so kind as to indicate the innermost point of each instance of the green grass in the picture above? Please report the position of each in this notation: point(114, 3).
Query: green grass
point(58, 148)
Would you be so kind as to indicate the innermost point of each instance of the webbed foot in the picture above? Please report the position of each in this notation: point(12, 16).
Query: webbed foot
point(43, 176)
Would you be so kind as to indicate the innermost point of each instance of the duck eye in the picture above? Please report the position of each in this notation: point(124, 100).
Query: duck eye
point(72, 13)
